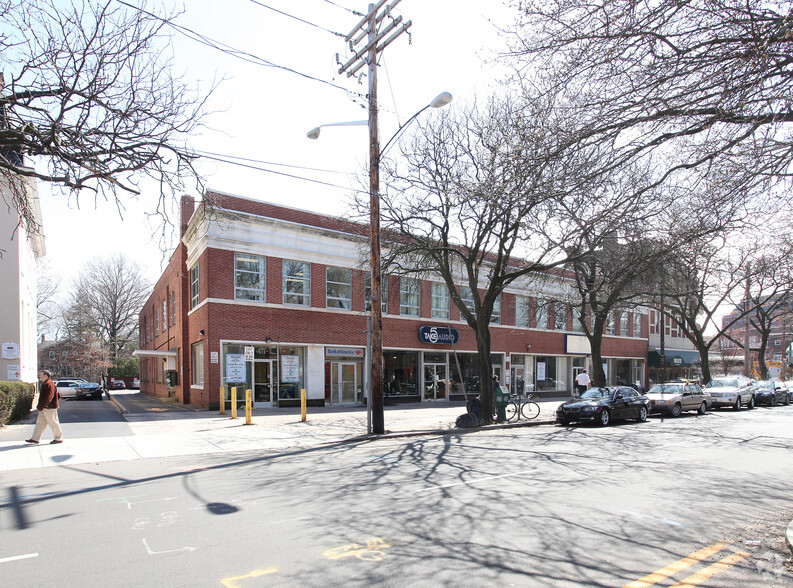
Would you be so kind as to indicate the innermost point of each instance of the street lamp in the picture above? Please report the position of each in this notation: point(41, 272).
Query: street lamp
point(376, 296)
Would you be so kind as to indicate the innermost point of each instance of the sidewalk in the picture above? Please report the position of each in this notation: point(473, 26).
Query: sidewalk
point(191, 432)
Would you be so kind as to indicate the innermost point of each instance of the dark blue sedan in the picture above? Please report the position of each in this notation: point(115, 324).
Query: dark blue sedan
point(602, 405)
point(770, 393)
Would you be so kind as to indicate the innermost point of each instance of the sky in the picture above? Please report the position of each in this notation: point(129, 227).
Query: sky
point(263, 113)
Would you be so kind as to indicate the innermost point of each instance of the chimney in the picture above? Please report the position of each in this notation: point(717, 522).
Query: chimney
point(187, 210)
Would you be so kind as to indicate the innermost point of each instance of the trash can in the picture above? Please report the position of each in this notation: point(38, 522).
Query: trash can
point(501, 398)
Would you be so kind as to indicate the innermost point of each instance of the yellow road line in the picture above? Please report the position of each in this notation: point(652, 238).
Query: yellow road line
point(712, 570)
point(678, 566)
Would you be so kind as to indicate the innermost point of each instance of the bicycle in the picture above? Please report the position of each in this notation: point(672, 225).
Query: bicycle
point(517, 408)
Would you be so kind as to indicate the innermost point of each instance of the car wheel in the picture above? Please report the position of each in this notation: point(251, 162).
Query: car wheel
point(677, 410)
point(703, 408)
point(604, 418)
point(750, 406)
point(563, 422)
point(737, 405)
point(642, 414)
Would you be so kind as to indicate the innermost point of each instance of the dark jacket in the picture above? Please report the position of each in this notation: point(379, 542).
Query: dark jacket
point(48, 395)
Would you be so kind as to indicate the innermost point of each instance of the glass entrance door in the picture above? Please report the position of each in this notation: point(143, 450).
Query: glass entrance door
point(435, 384)
point(343, 382)
point(264, 386)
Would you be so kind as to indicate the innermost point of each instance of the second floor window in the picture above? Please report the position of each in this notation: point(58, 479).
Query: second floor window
point(383, 292)
point(495, 317)
point(637, 323)
point(559, 317)
point(409, 297)
point(624, 323)
point(297, 283)
point(194, 286)
point(542, 314)
point(522, 311)
point(440, 301)
point(338, 285)
point(578, 326)
point(467, 296)
point(164, 314)
point(610, 328)
point(249, 277)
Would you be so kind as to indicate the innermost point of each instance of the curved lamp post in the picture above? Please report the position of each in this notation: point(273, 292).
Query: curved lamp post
point(375, 405)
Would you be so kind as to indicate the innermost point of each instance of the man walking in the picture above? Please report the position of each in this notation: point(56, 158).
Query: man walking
point(48, 410)
point(581, 383)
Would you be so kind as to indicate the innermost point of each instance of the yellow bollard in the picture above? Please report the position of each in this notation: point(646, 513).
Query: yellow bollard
point(303, 405)
point(234, 402)
point(248, 407)
point(222, 400)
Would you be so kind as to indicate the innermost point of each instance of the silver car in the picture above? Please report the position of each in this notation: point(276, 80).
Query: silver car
point(674, 397)
point(734, 391)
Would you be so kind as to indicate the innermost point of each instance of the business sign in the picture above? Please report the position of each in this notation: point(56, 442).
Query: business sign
point(235, 368)
point(343, 352)
point(290, 369)
point(438, 335)
point(10, 350)
point(249, 353)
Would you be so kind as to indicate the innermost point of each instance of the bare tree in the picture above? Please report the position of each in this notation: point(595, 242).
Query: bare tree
point(47, 306)
point(693, 83)
point(107, 300)
point(88, 94)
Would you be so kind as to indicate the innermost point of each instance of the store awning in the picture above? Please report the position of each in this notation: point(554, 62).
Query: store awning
point(674, 358)
point(169, 356)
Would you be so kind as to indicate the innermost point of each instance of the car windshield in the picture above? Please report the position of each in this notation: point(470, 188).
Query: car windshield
point(666, 389)
point(597, 393)
point(723, 384)
point(764, 385)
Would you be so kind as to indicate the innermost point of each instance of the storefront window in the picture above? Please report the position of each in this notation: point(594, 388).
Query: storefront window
point(551, 373)
point(400, 370)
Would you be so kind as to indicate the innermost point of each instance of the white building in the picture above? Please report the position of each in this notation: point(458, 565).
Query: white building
point(20, 246)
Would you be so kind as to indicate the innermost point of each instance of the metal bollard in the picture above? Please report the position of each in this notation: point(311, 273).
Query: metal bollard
point(222, 400)
point(248, 406)
point(234, 402)
point(303, 405)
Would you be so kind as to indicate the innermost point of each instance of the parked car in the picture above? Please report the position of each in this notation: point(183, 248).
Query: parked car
point(602, 405)
point(116, 384)
point(67, 388)
point(90, 390)
point(136, 384)
point(734, 391)
point(770, 392)
point(673, 398)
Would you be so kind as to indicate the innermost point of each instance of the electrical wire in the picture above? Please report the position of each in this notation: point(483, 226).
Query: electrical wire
point(355, 12)
point(236, 157)
point(342, 35)
point(239, 54)
point(278, 173)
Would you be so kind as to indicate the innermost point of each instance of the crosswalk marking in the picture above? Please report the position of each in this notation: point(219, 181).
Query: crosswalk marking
point(678, 566)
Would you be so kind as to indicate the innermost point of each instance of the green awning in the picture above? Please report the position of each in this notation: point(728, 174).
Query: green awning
point(674, 358)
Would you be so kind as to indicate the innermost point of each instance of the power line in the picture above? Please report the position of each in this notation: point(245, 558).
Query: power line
point(355, 12)
point(297, 18)
point(236, 157)
point(233, 52)
point(278, 173)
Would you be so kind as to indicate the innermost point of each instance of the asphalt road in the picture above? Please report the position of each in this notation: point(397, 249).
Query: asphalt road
point(631, 505)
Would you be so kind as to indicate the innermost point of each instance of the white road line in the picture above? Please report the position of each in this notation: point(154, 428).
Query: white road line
point(477, 480)
point(17, 557)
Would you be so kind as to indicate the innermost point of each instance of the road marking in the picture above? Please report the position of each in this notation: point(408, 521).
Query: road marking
point(712, 570)
point(372, 551)
point(18, 557)
point(477, 480)
point(231, 582)
point(150, 552)
point(678, 566)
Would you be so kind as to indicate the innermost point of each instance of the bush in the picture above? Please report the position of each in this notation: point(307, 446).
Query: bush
point(16, 399)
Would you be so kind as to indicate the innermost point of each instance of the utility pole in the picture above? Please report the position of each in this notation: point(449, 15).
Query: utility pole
point(376, 41)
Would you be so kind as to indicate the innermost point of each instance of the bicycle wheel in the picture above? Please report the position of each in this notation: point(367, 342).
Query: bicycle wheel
point(530, 410)
point(512, 410)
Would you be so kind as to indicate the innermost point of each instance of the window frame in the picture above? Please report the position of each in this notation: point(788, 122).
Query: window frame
point(305, 293)
point(440, 312)
point(195, 295)
point(197, 364)
point(260, 293)
point(409, 296)
point(341, 303)
point(522, 311)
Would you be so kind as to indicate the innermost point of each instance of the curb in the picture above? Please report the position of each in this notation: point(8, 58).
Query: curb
point(789, 535)
point(117, 404)
point(442, 432)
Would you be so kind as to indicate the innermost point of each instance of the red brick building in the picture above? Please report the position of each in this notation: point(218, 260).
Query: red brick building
point(273, 299)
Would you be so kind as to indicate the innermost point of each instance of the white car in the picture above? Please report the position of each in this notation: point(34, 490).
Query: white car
point(734, 391)
point(67, 388)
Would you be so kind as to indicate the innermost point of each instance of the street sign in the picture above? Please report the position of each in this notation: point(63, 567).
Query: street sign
point(249, 353)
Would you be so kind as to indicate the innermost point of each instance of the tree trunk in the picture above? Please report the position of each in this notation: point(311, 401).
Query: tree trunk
point(485, 372)
point(703, 364)
point(598, 373)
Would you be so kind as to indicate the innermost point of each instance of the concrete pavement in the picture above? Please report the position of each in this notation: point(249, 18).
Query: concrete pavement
point(160, 429)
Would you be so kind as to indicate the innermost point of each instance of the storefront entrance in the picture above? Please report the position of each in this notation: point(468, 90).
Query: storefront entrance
point(264, 384)
point(435, 383)
point(343, 382)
